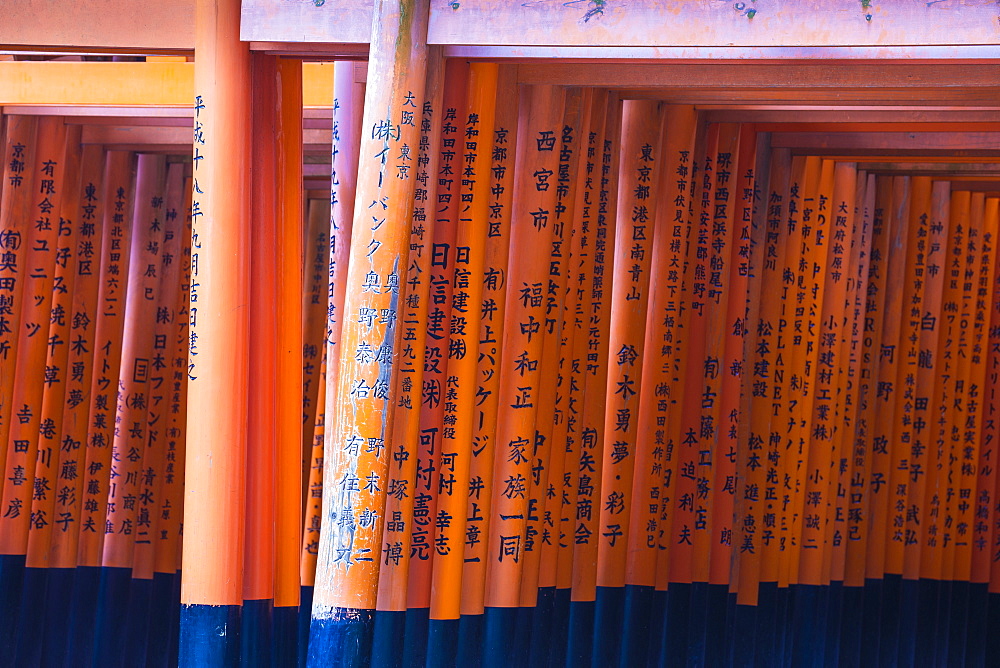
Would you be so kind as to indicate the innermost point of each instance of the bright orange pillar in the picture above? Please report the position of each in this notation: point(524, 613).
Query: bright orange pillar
point(211, 588)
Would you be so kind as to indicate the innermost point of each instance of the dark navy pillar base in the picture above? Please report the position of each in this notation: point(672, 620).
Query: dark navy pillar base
point(111, 615)
point(657, 626)
point(175, 622)
point(608, 616)
point(765, 623)
point(285, 636)
point(387, 646)
point(31, 618)
point(539, 623)
point(958, 609)
point(581, 633)
point(500, 625)
point(806, 625)
point(415, 637)
point(305, 613)
point(831, 634)
point(783, 597)
point(992, 649)
point(83, 603)
point(442, 650)
point(210, 636)
point(560, 627)
point(58, 593)
point(909, 605)
point(470, 640)
point(638, 627)
point(161, 620)
point(871, 627)
point(697, 623)
point(255, 633)
point(678, 612)
point(850, 626)
point(744, 645)
point(137, 621)
point(522, 635)
point(926, 631)
point(716, 623)
point(892, 592)
point(11, 581)
point(977, 613)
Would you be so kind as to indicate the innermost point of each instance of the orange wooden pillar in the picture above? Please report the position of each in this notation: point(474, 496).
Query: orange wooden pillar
point(355, 478)
point(527, 272)
point(150, 632)
point(315, 302)
point(16, 200)
point(132, 435)
point(763, 397)
point(56, 374)
point(983, 528)
point(39, 271)
point(654, 462)
point(101, 395)
point(56, 363)
point(885, 452)
point(638, 198)
point(548, 452)
point(289, 338)
point(687, 427)
point(475, 128)
point(397, 536)
point(170, 506)
point(606, 124)
point(492, 324)
point(786, 345)
point(872, 315)
point(260, 516)
point(274, 457)
point(436, 443)
point(211, 589)
point(76, 410)
point(577, 165)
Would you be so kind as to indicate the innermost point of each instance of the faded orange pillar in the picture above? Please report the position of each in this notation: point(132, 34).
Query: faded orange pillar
point(211, 585)
point(288, 408)
point(356, 460)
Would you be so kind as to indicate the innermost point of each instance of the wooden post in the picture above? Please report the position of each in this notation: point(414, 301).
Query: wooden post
point(885, 454)
point(56, 375)
point(130, 435)
point(475, 130)
point(211, 589)
point(588, 499)
point(16, 201)
point(547, 460)
point(171, 504)
point(348, 103)
point(492, 321)
point(150, 632)
point(642, 125)
point(356, 465)
point(289, 337)
point(982, 534)
point(654, 464)
point(393, 584)
point(436, 436)
point(76, 411)
point(262, 427)
point(531, 236)
point(40, 239)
